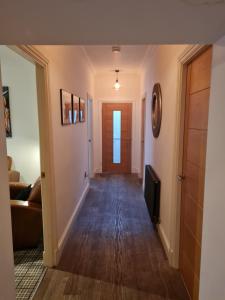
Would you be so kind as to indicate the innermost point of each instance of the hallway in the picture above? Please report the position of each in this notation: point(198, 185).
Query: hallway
point(113, 251)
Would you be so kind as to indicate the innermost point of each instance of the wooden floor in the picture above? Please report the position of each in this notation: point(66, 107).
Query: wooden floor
point(113, 251)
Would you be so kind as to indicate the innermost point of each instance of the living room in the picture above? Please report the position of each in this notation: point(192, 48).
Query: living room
point(23, 156)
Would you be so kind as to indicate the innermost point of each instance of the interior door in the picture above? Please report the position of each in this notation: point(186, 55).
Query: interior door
point(194, 154)
point(142, 135)
point(90, 136)
point(116, 137)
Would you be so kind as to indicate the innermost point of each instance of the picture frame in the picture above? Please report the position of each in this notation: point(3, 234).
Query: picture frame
point(7, 112)
point(82, 111)
point(156, 110)
point(76, 103)
point(66, 100)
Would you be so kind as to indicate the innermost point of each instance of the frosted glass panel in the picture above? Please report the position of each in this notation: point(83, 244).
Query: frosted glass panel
point(116, 137)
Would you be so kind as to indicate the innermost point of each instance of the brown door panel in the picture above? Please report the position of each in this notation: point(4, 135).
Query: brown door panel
point(194, 156)
point(107, 137)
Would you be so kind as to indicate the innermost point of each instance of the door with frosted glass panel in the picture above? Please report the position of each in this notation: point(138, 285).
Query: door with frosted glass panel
point(116, 137)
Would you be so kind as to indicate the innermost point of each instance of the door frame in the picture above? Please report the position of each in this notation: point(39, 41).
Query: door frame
point(188, 55)
point(46, 150)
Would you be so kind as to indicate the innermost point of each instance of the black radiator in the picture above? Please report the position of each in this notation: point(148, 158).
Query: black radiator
point(152, 193)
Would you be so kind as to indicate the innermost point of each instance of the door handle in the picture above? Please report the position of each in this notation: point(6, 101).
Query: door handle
point(42, 174)
point(180, 178)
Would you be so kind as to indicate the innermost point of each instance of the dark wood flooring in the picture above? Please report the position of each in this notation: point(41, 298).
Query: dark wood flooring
point(113, 251)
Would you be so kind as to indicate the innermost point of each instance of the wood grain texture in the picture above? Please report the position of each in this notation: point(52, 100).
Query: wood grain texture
point(201, 72)
point(143, 116)
point(194, 156)
point(198, 110)
point(107, 137)
point(113, 251)
point(196, 147)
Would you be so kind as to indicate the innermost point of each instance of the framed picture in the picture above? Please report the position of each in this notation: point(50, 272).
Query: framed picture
point(7, 114)
point(82, 110)
point(75, 109)
point(66, 99)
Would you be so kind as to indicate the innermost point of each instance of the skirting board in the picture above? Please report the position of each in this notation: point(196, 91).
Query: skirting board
point(164, 241)
point(67, 230)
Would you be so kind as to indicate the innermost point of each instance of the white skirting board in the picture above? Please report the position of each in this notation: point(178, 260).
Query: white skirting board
point(67, 230)
point(165, 242)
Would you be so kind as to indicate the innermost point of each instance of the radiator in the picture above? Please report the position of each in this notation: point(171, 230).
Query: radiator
point(152, 193)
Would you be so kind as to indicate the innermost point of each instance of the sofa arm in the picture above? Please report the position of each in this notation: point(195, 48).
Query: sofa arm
point(15, 188)
point(14, 176)
point(26, 224)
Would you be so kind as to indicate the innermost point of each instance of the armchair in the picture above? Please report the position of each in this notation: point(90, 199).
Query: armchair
point(26, 217)
point(14, 176)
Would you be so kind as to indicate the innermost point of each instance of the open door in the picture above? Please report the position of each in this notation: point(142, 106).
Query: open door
point(90, 135)
point(193, 175)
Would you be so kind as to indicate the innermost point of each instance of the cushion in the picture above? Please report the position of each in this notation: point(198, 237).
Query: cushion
point(9, 161)
point(35, 195)
point(24, 193)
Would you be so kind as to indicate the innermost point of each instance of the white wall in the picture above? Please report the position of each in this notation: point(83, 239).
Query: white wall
point(129, 92)
point(19, 75)
point(161, 66)
point(68, 69)
point(213, 240)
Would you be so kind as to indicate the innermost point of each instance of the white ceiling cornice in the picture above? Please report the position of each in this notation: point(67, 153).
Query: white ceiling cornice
point(88, 60)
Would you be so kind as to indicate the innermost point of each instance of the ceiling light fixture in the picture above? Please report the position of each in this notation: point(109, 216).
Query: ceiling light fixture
point(117, 84)
point(116, 49)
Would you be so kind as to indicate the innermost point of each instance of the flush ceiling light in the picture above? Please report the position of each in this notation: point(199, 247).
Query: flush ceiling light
point(116, 49)
point(117, 84)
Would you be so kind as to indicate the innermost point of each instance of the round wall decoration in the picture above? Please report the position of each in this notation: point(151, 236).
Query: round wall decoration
point(156, 109)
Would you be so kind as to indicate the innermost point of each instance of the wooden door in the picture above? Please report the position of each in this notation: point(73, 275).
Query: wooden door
point(142, 135)
point(116, 150)
point(194, 155)
point(90, 136)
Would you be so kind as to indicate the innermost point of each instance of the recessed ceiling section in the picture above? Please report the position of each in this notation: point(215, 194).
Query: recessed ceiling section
point(127, 60)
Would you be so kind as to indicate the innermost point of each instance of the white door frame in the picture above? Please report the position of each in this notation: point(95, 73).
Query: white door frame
point(46, 151)
point(189, 54)
point(7, 280)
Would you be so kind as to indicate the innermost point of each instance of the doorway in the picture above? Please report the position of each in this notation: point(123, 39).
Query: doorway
point(19, 92)
point(142, 136)
point(116, 137)
point(90, 135)
point(193, 168)
point(39, 63)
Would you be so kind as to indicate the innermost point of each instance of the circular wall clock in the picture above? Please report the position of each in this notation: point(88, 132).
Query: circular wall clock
point(156, 109)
